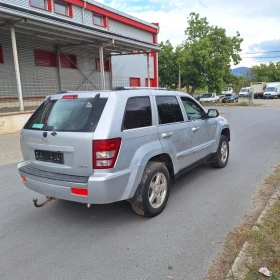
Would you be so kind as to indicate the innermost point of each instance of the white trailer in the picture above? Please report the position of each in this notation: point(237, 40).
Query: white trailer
point(272, 90)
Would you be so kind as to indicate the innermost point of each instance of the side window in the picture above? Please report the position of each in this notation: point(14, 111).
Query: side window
point(193, 110)
point(169, 110)
point(138, 113)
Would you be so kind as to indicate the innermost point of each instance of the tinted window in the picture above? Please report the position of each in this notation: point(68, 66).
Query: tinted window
point(169, 110)
point(193, 110)
point(137, 113)
point(77, 115)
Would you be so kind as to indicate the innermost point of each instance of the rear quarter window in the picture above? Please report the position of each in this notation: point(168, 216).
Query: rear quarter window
point(138, 113)
point(71, 115)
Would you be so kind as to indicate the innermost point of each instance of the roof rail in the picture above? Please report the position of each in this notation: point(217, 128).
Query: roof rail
point(61, 92)
point(137, 88)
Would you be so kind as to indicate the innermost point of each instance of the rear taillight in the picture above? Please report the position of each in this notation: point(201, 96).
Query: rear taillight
point(105, 153)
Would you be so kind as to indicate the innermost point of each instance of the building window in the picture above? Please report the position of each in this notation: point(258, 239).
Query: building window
point(63, 8)
point(152, 82)
point(45, 58)
point(107, 67)
point(41, 4)
point(98, 20)
point(48, 59)
point(68, 61)
point(134, 82)
point(138, 113)
point(1, 55)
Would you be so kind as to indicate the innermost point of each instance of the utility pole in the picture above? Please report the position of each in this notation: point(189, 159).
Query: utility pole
point(251, 100)
point(179, 82)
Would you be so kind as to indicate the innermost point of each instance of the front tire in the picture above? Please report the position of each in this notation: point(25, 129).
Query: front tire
point(153, 191)
point(221, 159)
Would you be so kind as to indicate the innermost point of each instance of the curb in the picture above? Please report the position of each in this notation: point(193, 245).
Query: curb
point(240, 268)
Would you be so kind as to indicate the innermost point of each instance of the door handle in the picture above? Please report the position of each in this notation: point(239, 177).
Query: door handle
point(195, 129)
point(165, 135)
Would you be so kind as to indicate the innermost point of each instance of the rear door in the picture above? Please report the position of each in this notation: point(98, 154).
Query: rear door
point(174, 131)
point(202, 130)
point(59, 136)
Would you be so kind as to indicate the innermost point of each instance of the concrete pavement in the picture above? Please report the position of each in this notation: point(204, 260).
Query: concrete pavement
point(65, 240)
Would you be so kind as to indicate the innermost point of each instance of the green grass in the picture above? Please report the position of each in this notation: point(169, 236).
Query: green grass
point(265, 245)
point(243, 103)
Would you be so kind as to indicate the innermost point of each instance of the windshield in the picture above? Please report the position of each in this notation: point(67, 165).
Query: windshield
point(244, 90)
point(226, 89)
point(270, 89)
point(229, 95)
point(80, 115)
point(207, 95)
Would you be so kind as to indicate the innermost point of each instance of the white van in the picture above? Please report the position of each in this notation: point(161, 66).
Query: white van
point(244, 92)
point(272, 90)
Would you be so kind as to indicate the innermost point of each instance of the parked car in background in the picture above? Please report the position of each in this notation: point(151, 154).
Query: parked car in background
point(272, 90)
point(209, 97)
point(197, 97)
point(230, 98)
point(227, 90)
point(244, 92)
point(101, 147)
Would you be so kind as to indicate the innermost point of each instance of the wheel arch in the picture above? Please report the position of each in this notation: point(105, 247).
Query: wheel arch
point(226, 132)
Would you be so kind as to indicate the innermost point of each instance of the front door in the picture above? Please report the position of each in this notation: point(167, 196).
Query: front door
point(174, 131)
point(203, 130)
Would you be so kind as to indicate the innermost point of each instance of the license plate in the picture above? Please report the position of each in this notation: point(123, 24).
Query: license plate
point(55, 157)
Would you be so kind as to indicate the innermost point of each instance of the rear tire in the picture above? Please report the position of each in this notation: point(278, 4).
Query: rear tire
point(153, 191)
point(221, 160)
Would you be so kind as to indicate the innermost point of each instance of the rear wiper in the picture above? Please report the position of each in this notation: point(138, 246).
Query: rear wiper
point(96, 98)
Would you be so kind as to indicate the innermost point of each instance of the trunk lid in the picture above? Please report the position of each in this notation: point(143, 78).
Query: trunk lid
point(59, 135)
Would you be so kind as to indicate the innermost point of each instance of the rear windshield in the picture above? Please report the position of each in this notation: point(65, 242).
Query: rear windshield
point(77, 115)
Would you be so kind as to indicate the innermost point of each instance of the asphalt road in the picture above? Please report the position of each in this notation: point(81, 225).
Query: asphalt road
point(65, 240)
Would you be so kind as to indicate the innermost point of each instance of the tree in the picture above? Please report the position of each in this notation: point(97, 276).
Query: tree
point(206, 54)
point(168, 66)
point(266, 73)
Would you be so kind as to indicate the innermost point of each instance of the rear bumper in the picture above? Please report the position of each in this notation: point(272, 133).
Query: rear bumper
point(102, 188)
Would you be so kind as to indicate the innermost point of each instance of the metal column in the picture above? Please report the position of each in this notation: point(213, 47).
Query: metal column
point(15, 53)
point(59, 68)
point(148, 69)
point(102, 72)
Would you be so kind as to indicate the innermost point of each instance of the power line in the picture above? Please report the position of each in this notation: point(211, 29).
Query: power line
point(260, 57)
point(261, 52)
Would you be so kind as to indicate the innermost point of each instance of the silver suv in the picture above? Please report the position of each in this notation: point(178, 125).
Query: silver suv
point(103, 147)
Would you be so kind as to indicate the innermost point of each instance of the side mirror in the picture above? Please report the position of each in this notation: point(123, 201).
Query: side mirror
point(212, 113)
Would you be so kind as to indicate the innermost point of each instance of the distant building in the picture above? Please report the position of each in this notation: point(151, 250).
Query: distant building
point(71, 45)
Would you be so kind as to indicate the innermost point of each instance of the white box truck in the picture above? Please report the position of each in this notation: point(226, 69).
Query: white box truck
point(258, 89)
point(272, 90)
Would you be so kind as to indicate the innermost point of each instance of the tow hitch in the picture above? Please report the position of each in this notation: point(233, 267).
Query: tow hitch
point(47, 200)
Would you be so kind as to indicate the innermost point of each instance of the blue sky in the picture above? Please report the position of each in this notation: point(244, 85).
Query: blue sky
point(257, 21)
